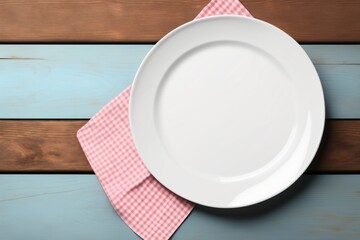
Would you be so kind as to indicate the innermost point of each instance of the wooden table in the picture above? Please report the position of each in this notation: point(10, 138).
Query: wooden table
point(47, 92)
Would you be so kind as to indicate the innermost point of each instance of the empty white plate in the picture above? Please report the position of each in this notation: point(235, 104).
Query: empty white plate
point(227, 111)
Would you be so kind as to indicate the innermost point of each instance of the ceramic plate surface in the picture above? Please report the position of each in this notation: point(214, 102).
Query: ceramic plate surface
point(227, 111)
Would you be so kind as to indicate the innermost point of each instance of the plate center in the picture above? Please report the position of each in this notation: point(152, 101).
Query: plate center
point(225, 109)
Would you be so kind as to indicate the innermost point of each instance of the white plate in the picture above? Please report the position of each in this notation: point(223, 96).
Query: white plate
point(227, 111)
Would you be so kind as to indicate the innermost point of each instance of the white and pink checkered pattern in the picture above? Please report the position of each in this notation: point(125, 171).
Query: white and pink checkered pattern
point(150, 209)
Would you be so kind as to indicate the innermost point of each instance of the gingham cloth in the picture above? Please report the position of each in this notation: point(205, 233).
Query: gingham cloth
point(150, 209)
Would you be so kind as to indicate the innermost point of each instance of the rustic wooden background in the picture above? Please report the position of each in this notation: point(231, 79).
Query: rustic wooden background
point(148, 21)
point(57, 69)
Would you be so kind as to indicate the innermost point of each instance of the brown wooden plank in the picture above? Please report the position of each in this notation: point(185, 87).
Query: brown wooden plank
point(340, 147)
point(149, 20)
point(51, 146)
point(41, 146)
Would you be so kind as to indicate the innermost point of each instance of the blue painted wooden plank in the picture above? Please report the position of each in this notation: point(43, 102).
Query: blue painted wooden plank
point(75, 81)
point(341, 85)
point(333, 54)
point(75, 207)
point(64, 81)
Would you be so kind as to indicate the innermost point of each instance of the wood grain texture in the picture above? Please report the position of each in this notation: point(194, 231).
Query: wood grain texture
point(51, 146)
point(76, 81)
point(340, 147)
point(41, 146)
point(148, 21)
point(57, 207)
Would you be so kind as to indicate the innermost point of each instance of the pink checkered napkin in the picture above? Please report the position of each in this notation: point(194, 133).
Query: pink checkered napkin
point(150, 209)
